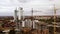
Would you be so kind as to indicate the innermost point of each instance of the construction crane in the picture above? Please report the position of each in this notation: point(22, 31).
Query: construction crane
point(54, 19)
point(54, 9)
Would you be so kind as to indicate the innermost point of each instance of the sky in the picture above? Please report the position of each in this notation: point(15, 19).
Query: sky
point(45, 7)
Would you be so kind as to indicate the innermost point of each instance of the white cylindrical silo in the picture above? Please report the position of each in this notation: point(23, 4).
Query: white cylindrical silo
point(15, 18)
point(33, 24)
point(23, 23)
point(15, 15)
point(20, 13)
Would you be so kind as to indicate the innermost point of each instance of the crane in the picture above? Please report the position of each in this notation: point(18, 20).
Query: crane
point(54, 19)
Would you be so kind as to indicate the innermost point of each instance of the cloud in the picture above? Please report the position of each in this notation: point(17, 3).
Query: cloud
point(45, 6)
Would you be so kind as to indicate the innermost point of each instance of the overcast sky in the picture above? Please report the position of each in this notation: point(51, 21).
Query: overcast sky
point(45, 7)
